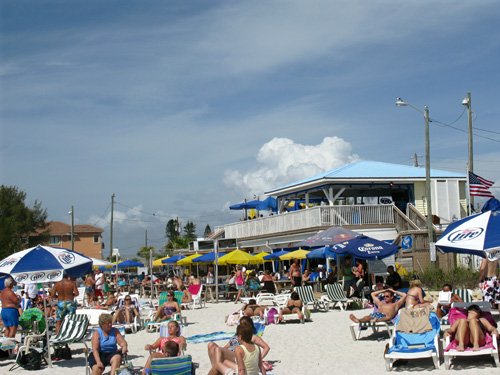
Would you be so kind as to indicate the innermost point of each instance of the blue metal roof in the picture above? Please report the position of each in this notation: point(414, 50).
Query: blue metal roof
point(366, 169)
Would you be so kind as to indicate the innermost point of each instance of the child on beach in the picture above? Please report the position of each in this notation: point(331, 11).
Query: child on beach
point(248, 357)
point(170, 349)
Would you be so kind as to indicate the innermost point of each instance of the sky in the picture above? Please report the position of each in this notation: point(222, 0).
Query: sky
point(183, 108)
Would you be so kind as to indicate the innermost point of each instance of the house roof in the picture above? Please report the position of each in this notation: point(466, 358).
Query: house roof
point(57, 227)
point(373, 170)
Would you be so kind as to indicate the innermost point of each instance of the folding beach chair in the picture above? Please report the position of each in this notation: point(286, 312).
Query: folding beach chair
point(153, 326)
point(73, 330)
point(136, 323)
point(307, 297)
point(163, 332)
point(414, 345)
point(335, 296)
point(182, 365)
point(491, 347)
point(465, 294)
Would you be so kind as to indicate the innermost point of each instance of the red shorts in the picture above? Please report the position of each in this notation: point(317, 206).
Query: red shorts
point(98, 293)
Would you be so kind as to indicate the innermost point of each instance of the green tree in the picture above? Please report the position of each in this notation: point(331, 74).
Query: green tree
point(177, 243)
point(190, 231)
point(18, 221)
point(144, 253)
point(208, 230)
point(172, 229)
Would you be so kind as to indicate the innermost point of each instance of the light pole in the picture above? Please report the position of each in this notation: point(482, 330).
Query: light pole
point(72, 212)
point(425, 112)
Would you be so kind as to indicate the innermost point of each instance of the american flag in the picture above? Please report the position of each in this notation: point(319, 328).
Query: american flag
point(479, 187)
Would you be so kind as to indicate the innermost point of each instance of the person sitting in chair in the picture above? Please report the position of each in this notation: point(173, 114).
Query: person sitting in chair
point(387, 309)
point(174, 334)
point(187, 297)
point(168, 309)
point(294, 306)
point(169, 349)
point(104, 347)
point(443, 310)
point(126, 313)
point(471, 331)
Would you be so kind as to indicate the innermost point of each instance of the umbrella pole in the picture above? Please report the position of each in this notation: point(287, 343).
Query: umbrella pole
point(216, 246)
point(49, 360)
point(151, 271)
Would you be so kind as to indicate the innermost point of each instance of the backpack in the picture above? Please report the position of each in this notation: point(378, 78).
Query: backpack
point(30, 361)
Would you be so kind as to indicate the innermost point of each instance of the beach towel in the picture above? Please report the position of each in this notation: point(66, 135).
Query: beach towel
point(417, 342)
point(218, 336)
point(194, 289)
point(488, 344)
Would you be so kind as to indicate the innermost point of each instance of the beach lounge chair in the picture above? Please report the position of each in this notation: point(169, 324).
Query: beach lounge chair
point(197, 293)
point(335, 296)
point(182, 365)
point(491, 347)
point(265, 299)
point(307, 297)
point(414, 345)
point(73, 330)
point(135, 325)
point(154, 326)
point(465, 294)
point(92, 315)
point(357, 328)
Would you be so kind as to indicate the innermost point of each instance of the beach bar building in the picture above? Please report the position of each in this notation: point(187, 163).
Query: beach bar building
point(381, 200)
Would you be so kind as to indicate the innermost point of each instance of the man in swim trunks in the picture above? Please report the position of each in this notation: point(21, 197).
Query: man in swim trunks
point(66, 291)
point(490, 285)
point(386, 308)
point(295, 274)
point(10, 313)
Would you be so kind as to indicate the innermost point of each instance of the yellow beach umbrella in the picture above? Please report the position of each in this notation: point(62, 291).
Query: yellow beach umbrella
point(158, 262)
point(401, 270)
point(261, 256)
point(298, 254)
point(188, 260)
point(238, 257)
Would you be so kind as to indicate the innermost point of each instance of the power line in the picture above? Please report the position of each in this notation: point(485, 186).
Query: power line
point(105, 211)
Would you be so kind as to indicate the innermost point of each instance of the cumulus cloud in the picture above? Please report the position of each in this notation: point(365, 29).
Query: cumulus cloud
point(283, 161)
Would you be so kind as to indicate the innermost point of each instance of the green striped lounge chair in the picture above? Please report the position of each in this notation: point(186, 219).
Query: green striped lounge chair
point(465, 294)
point(335, 295)
point(307, 297)
point(182, 365)
point(73, 330)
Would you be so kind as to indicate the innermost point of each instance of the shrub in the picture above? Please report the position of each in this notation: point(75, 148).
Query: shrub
point(458, 277)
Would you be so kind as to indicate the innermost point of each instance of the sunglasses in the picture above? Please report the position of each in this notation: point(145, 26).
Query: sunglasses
point(170, 295)
point(128, 299)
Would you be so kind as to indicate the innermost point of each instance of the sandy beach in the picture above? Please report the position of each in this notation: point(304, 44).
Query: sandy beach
point(322, 346)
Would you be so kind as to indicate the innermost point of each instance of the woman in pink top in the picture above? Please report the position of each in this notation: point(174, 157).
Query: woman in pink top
point(173, 335)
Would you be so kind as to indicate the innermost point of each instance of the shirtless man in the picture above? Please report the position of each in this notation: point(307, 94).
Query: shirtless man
point(177, 282)
point(194, 280)
point(65, 291)
point(10, 303)
point(295, 274)
point(386, 311)
point(489, 283)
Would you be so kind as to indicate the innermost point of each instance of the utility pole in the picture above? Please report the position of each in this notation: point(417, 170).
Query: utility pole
point(111, 226)
point(72, 229)
point(415, 159)
point(467, 102)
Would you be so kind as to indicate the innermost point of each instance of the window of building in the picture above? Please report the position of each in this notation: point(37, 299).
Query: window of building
point(55, 240)
point(97, 238)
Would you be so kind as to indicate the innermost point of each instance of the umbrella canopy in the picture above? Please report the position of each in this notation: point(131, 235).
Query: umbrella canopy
point(188, 260)
point(157, 262)
point(245, 205)
point(364, 247)
point(41, 264)
point(239, 257)
point(173, 260)
point(329, 237)
point(130, 263)
point(207, 258)
point(297, 254)
point(99, 262)
point(269, 203)
point(261, 256)
point(477, 235)
point(275, 256)
point(321, 253)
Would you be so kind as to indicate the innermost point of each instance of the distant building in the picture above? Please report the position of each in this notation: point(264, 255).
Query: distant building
point(87, 238)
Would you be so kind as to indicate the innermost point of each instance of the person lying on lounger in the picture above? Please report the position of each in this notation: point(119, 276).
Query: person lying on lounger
point(252, 309)
point(294, 306)
point(386, 308)
point(472, 330)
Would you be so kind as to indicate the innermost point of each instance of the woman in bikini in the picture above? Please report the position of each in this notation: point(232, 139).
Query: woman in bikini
point(415, 295)
point(168, 309)
point(294, 306)
point(252, 309)
point(173, 335)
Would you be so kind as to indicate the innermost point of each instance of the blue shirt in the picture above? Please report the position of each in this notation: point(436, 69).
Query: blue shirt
point(107, 344)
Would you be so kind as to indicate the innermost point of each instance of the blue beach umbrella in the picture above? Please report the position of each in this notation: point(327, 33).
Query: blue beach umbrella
point(477, 235)
point(173, 260)
point(321, 253)
point(207, 258)
point(130, 263)
point(363, 247)
point(275, 256)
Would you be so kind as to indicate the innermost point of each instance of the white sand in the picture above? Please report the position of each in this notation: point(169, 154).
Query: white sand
point(322, 346)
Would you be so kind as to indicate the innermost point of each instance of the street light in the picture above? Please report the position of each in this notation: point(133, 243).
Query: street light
point(72, 213)
point(425, 112)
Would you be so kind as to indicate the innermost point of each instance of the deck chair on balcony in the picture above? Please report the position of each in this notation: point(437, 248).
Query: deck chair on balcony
point(335, 296)
point(414, 345)
point(491, 347)
point(307, 297)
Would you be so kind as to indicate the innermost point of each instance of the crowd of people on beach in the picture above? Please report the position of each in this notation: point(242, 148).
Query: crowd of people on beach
point(245, 349)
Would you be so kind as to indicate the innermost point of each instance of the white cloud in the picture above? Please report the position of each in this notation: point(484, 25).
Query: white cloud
point(283, 161)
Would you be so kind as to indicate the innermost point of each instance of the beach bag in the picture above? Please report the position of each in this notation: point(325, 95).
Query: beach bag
point(270, 315)
point(233, 319)
point(30, 361)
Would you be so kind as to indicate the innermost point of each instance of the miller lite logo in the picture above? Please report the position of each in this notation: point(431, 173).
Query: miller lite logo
point(53, 275)
point(20, 278)
point(465, 234)
point(37, 276)
point(8, 262)
point(66, 257)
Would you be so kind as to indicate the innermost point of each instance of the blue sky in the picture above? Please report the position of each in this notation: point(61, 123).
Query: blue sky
point(183, 108)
